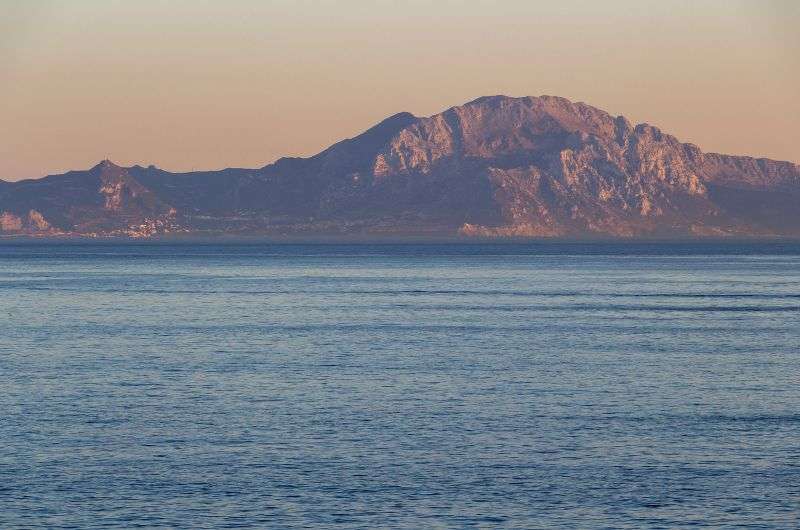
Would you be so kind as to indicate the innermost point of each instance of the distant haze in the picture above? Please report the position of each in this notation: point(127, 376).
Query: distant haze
point(202, 84)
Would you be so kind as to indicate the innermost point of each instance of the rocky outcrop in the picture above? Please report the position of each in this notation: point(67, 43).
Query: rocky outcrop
point(104, 200)
point(494, 167)
point(31, 223)
point(10, 222)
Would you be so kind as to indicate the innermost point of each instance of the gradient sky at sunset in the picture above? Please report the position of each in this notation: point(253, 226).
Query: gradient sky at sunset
point(201, 84)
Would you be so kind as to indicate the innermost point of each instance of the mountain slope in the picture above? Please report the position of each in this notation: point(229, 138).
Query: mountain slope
point(496, 166)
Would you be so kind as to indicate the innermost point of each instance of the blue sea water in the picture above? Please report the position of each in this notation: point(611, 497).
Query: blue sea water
point(551, 385)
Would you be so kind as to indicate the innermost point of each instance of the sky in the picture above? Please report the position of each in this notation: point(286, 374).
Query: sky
point(195, 84)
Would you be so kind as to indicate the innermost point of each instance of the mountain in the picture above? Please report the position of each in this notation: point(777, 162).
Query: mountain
point(494, 167)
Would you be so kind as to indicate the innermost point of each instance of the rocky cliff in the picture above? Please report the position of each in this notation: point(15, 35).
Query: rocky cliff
point(494, 167)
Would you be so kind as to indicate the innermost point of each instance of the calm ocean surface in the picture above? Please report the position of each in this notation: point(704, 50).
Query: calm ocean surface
point(401, 386)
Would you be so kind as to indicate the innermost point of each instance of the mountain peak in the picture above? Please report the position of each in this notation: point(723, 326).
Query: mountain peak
point(526, 100)
point(496, 166)
point(106, 164)
point(387, 128)
point(357, 153)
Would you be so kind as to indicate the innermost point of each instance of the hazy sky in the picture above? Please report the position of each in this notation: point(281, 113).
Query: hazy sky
point(201, 84)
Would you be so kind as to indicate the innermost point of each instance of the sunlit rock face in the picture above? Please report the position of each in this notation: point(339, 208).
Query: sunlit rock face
point(494, 167)
point(32, 223)
point(10, 222)
point(543, 167)
point(104, 200)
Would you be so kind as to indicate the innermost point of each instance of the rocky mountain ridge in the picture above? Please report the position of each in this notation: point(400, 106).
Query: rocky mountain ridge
point(493, 167)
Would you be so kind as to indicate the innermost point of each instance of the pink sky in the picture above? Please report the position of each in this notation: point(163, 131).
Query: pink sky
point(205, 85)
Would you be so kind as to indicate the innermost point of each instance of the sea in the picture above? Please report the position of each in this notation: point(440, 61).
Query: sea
point(420, 385)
